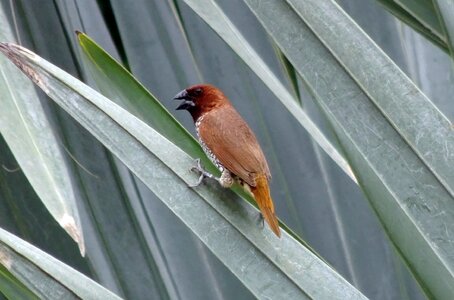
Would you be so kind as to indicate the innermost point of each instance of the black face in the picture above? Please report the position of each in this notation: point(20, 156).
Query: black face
point(189, 97)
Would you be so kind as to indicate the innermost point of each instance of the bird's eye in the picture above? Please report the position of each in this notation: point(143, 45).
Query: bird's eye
point(198, 92)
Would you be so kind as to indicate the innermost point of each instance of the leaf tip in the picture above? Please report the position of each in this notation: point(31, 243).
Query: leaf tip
point(4, 48)
point(25, 60)
point(11, 49)
point(69, 224)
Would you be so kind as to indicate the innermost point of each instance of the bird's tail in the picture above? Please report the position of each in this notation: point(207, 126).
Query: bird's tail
point(262, 196)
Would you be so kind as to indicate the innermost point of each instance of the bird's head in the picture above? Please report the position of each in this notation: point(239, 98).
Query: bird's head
point(200, 99)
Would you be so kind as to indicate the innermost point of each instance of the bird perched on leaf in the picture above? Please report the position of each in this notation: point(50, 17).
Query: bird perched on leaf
point(230, 144)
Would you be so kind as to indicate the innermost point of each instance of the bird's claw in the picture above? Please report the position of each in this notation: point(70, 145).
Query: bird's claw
point(198, 167)
point(203, 173)
point(198, 181)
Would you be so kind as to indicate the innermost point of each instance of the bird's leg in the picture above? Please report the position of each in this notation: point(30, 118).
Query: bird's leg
point(203, 173)
point(226, 180)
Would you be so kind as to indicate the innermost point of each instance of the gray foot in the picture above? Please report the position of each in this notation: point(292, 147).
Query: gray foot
point(203, 173)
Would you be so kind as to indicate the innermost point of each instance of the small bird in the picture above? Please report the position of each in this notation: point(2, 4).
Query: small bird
point(230, 144)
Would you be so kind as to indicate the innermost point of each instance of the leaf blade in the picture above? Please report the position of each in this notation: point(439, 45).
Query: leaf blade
point(44, 275)
point(417, 19)
point(445, 11)
point(402, 103)
point(38, 148)
point(370, 140)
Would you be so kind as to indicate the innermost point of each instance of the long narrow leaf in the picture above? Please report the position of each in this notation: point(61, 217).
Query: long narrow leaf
point(270, 267)
point(419, 16)
point(37, 148)
point(401, 151)
point(427, 131)
point(44, 276)
point(13, 288)
point(445, 12)
point(425, 13)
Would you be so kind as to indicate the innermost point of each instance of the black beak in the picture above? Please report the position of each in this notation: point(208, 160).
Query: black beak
point(187, 103)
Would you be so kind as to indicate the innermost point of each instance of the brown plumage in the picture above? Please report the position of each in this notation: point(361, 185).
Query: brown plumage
point(230, 144)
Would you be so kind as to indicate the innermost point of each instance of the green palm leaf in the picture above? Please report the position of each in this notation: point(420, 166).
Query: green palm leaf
point(26, 128)
point(395, 150)
point(28, 273)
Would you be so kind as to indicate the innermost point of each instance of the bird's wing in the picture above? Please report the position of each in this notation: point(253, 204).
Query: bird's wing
point(234, 144)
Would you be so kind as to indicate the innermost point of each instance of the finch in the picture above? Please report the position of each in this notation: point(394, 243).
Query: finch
point(230, 144)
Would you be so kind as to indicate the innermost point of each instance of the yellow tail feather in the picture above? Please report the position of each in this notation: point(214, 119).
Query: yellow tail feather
point(262, 196)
